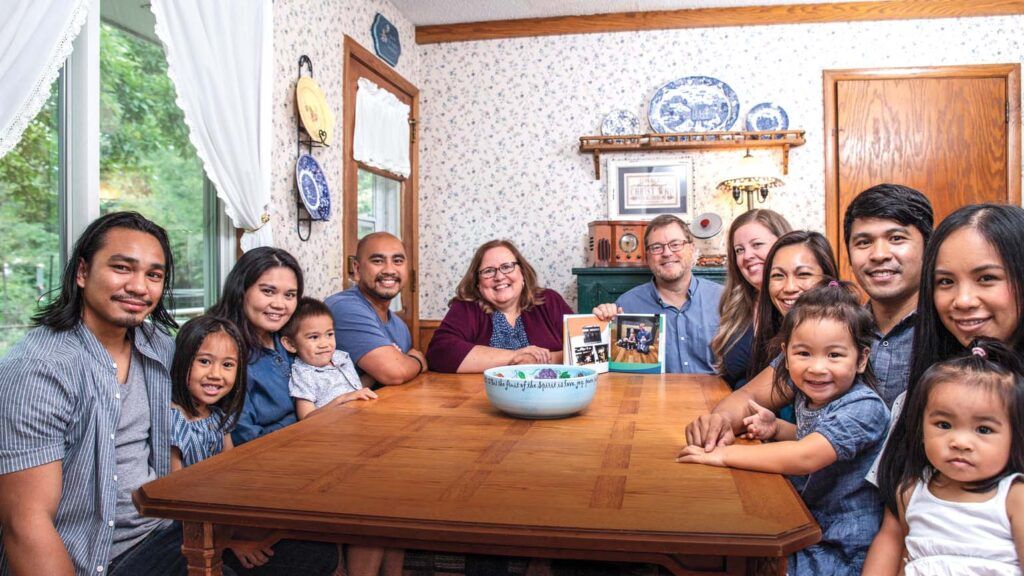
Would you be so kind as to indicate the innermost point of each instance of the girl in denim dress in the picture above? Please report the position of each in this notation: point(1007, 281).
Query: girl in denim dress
point(840, 423)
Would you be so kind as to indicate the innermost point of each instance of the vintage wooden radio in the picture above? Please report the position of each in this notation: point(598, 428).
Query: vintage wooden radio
point(616, 243)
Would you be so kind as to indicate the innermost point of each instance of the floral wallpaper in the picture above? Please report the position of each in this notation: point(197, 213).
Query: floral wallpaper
point(501, 122)
point(317, 28)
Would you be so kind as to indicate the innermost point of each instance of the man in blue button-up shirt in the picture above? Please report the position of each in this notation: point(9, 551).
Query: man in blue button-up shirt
point(690, 305)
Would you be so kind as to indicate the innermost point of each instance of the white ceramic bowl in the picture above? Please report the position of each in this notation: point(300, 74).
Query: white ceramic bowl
point(540, 390)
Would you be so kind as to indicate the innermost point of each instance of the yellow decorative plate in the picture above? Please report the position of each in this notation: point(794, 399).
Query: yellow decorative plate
point(316, 117)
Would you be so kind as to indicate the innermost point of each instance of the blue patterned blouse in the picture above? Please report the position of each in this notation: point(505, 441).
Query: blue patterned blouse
point(197, 439)
point(505, 336)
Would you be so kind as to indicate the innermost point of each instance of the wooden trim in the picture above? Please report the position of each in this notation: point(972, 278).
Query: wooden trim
point(830, 78)
point(832, 227)
point(1013, 160)
point(354, 52)
point(717, 17)
point(426, 333)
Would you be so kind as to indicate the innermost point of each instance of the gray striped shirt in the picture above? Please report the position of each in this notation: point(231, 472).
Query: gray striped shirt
point(60, 400)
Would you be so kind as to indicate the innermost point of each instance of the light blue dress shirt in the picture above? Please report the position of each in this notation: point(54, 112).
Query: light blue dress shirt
point(689, 329)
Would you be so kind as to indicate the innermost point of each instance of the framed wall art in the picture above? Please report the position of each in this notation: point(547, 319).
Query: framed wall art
point(648, 188)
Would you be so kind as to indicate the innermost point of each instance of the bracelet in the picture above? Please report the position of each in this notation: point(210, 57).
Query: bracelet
point(418, 361)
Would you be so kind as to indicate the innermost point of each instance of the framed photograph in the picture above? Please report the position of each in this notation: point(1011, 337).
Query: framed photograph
point(645, 189)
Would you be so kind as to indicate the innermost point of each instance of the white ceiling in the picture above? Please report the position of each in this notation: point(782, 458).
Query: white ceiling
point(427, 12)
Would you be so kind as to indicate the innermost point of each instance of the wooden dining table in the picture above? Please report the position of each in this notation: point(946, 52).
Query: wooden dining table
point(432, 465)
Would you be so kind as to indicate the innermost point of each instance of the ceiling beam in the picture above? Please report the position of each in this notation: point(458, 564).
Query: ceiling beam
point(716, 17)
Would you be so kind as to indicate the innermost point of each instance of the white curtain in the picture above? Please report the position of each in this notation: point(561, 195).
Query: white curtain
point(35, 39)
point(219, 58)
point(381, 129)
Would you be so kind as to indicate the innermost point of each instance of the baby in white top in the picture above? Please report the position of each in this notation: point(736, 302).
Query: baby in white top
point(960, 500)
point(321, 375)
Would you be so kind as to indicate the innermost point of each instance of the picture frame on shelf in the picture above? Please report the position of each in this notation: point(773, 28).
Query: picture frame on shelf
point(645, 189)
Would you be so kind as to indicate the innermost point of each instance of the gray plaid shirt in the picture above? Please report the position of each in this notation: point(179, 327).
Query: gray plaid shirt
point(60, 400)
point(890, 358)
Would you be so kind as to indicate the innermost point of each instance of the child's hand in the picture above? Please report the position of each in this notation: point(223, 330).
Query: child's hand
point(361, 394)
point(761, 424)
point(696, 455)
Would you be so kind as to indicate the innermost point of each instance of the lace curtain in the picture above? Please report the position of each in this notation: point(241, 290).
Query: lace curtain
point(35, 40)
point(219, 58)
point(381, 129)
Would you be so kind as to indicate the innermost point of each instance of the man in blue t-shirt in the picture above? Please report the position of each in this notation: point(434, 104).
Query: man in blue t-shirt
point(378, 341)
point(690, 305)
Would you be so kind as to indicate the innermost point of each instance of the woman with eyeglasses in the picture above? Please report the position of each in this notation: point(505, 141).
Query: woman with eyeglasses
point(499, 316)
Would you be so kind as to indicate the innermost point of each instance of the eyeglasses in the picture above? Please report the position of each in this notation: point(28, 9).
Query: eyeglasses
point(674, 246)
point(506, 269)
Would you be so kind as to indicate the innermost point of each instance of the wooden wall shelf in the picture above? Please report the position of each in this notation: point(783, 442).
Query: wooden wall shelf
point(784, 139)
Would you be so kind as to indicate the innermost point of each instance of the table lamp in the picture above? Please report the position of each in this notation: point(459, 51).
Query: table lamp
point(751, 177)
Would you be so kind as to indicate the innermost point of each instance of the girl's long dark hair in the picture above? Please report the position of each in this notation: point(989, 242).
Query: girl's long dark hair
point(829, 300)
point(1000, 370)
point(1003, 227)
point(64, 312)
point(245, 273)
point(190, 339)
point(768, 318)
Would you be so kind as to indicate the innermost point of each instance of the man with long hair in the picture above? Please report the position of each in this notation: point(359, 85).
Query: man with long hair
point(84, 416)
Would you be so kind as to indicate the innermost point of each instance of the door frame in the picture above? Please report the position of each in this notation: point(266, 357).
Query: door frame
point(830, 78)
point(354, 52)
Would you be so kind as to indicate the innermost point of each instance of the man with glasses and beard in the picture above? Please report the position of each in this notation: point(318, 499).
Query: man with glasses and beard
point(378, 341)
point(690, 304)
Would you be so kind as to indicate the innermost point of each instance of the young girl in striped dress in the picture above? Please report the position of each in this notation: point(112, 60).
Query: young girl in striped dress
point(208, 389)
point(207, 393)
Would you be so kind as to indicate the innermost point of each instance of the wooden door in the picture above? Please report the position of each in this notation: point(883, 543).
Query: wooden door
point(376, 199)
point(951, 132)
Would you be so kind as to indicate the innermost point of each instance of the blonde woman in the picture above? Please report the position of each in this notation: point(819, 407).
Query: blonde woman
point(751, 236)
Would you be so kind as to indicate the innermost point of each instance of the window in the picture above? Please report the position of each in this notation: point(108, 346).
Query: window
point(30, 244)
point(147, 163)
point(379, 204)
point(54, 183)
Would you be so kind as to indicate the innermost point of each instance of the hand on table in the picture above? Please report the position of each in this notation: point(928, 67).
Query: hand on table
point(361, 394)
point(761, 424)
point(710, 431)
point(697, 455)
point(531, 355)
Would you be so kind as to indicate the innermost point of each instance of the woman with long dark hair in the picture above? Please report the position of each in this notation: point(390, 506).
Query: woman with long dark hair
point(259, 296)
point(970, 288)
point(796, 263)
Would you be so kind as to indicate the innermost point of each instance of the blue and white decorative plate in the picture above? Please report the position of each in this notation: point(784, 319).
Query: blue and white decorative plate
point(619, 122)
point(313, 188)
point(693, 104)
point(766, 116)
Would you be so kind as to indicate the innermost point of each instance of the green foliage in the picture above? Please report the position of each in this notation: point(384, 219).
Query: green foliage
point(146, 164)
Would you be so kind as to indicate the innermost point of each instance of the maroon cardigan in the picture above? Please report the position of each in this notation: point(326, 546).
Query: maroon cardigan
point(466, 325)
